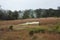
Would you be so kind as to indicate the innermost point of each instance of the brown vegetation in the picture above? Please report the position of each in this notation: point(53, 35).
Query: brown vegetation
point(24, 34)
point(41, 20)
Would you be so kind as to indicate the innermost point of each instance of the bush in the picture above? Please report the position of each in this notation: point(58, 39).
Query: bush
point(58, 32)
point(11, 28)
point(31, 33)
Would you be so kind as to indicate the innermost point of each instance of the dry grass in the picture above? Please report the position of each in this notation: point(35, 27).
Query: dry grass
point(41, 20)
point(24, 34)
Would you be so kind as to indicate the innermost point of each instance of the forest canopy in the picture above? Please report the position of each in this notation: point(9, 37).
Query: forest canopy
point(37, 13)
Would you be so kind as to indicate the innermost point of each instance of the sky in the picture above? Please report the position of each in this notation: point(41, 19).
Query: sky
point(29, 4)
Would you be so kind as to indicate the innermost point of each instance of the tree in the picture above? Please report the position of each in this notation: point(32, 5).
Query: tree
point(1, 14)
point(59, 8)
point(32, 15)
point(50, 12)
point(38, 12)
point(26, 14)
point(10, 17)
point(15, 14)
point(58, 12)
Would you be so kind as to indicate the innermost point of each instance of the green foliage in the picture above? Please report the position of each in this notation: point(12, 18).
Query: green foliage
point(1, 14)
point(37, 13)
point(31, 33)
point(54, 29)
point(36, 30)
point(26, 14)
point(12, 15)
point(10, 27)
point(15, 14)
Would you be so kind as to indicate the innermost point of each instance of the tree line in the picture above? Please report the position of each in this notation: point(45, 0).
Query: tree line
point(37, 13)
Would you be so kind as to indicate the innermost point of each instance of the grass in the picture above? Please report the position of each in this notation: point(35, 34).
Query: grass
point(55, 28)
point(30, 29)
point(22, 34)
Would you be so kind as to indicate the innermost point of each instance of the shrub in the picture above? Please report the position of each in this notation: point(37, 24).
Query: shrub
point(31, 33)
point(57, 27)
point(58, 32)
point(11, 28)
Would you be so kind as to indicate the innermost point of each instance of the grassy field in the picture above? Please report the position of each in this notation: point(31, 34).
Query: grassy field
point(49, 29)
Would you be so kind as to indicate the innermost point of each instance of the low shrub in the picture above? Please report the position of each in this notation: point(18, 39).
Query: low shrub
point(31, 33)
point(11, 27)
